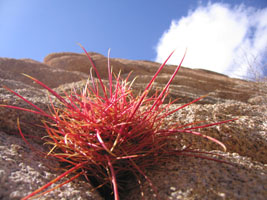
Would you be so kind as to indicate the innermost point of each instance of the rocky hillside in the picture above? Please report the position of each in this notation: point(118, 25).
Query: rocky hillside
point(22, 170)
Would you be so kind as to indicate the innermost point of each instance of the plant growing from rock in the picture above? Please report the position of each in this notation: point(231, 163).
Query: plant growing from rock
point(106, 133)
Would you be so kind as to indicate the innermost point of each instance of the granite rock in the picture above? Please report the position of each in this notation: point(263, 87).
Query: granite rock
point(182, 177)
point(12, 70)
point(24, 170)
point(187, 85)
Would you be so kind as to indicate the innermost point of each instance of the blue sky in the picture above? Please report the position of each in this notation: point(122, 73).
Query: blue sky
point(139, 30)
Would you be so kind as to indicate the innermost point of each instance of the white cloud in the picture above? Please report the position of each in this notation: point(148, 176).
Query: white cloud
point(218, 38)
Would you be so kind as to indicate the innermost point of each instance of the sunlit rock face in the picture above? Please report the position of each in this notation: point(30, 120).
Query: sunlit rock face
point(182, 177)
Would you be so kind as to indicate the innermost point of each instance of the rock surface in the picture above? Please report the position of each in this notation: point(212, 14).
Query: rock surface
point(185, 178)
point(22, 170)
point(12, 69)
point(188, 84)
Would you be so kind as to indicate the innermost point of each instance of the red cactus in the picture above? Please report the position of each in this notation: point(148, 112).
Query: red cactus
point(109, 135)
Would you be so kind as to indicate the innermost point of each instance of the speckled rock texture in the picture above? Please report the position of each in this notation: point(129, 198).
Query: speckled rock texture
point(22, 170)
point(187, 178)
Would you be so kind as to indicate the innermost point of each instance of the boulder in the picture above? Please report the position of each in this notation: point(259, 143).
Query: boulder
point(12, 69)
point(183, 177)
point(75, 62)
point(187, 85)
